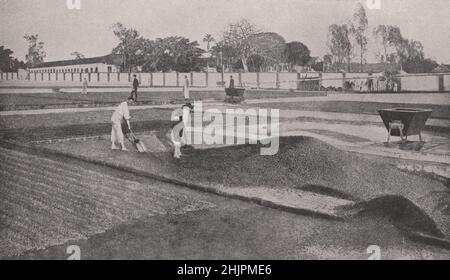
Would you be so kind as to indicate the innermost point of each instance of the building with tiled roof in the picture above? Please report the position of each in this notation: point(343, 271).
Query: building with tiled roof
point(109, 63)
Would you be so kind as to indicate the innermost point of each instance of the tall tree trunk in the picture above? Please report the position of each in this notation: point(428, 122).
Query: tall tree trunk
point(362, 69)
point(244, 64)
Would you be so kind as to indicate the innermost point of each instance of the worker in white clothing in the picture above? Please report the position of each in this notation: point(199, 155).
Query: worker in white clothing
point(179, 126)
point(120, 115)
point(85, 86)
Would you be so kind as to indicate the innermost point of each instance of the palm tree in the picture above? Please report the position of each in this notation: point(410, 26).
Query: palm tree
point(208, 39)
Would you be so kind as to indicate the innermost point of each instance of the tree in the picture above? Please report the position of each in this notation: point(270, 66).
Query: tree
point(420, 66)
point(412, 58)
point(327, 62)
point(77, 55)
point(269, 46)
point(256, 63)
point(382, 32)
point(172, 53)
point(238, 36)
point(226, 56)
point(36, 53)
point(392, 42)
point(359, 30)
point(408, 53)
point(131, 45)
point(9, 63)
point(297, 53)
point(339, 44)
point(208, 39)
point(5, 59)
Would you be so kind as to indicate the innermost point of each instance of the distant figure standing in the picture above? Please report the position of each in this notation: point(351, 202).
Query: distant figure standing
point(231, 82)
point(120, 115)
point(85, 86)
point(135, 88)
point(370, 85)
point(186, 88)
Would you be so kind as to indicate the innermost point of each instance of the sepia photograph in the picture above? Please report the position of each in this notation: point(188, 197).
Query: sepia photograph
point(224, 130)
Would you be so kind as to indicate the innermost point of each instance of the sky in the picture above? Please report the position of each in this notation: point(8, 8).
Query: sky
point(89, 31)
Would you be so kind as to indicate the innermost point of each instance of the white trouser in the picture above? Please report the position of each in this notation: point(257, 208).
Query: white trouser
point(177, 143)
point(116, 133)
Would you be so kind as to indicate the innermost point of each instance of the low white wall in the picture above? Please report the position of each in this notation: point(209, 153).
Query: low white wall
point(249, 79)
point(447, 82)
point(199, 80)
point(420, 83)
point(266, 80)
point(171, 79)
point(335, 80)
point(288, 80)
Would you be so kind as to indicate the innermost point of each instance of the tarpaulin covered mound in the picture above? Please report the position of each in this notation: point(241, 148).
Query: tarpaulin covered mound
point(304, 161)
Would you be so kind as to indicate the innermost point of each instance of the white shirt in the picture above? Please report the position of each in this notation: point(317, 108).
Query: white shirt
point(121, 112)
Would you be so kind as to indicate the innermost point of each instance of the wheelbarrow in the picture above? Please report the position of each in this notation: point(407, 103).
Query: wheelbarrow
point(234, 95)
point(404, 122)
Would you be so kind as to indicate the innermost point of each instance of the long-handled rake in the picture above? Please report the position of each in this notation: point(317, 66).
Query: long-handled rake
point(138, 144)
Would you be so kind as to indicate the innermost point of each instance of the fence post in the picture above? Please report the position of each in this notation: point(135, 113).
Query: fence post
point(35, 76)
point(81, 77)
point(98, 77)
point(118, 76)
point(257, 80)
point(207, 78)
point(151, 79)
point(320, 80)
point(277, 84)
point(299, 76)
point(192, 79)
point(240, 78)
point(49, 76)
point(42, 76)
point(56, 76)
point(108, 76)
point(129, 77)
point(440, 78)
point(344, 79)
point(164, 79)
point(178, 79)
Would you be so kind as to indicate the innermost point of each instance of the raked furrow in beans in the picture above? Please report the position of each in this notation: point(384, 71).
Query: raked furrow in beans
point(105, 197)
